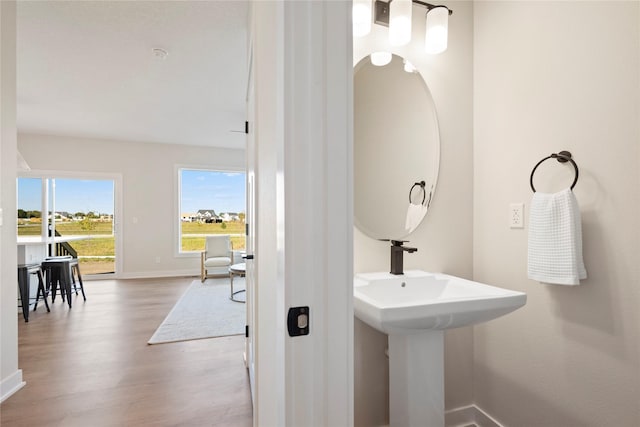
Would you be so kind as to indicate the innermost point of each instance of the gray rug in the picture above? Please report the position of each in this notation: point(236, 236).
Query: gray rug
point(203, 311)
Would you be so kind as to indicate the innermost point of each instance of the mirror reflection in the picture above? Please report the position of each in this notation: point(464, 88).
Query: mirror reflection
point(396, 149)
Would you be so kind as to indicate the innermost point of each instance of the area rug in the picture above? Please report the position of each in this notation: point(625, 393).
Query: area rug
point(203, 311)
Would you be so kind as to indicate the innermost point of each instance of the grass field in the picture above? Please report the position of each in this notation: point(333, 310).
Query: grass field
point(196, 243)
point(192, 240)
point(32, 228)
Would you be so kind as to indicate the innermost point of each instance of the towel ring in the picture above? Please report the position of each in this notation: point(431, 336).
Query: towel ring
point(562, 157)
point(420, 184)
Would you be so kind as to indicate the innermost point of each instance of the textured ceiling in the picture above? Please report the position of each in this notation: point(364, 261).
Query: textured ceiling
point(87, 69)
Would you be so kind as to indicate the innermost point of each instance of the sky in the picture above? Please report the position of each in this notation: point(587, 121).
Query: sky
point(201, 189)
point(72, 195)
point(220, 191)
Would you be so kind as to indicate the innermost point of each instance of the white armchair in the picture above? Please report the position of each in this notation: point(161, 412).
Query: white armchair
point(217, 256)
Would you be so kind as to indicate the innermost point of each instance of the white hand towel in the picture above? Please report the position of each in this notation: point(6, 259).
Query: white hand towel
point(555, 239)
point(415, 213)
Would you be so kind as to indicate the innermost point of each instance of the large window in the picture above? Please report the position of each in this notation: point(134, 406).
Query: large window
point(211, 202)
point(77, 214)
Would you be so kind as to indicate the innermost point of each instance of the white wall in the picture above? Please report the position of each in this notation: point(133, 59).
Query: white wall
point(551, 76)
point(444, 240)
point(149, 190)
point(10, 375)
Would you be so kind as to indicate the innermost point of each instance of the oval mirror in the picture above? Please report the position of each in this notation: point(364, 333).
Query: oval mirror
point(396, 149)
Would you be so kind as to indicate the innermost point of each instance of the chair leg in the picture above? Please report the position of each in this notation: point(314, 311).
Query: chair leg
point(203, 270)
point(231, 280)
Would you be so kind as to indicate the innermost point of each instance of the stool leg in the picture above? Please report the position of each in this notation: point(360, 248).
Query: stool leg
point(23, 285)
point(35, 306)
point(65, 282)
point(72, 269)
point(52, 283)
point(41, 289)
point(77, 270)
point(56, 282)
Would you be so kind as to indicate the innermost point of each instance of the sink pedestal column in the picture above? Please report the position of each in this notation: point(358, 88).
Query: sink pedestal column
point(416, 379)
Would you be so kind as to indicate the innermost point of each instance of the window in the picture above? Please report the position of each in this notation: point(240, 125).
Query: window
point(211, 202)
point(79, 213)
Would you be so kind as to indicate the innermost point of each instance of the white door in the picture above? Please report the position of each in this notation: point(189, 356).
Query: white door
point(302, 142)
point(250, 220)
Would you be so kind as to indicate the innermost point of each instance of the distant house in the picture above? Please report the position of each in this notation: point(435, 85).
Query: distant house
point(188, 217)
point(229, 216)
point(207, 215)
point(64, 216)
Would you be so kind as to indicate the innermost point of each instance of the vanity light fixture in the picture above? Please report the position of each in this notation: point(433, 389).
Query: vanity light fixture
point(396, 14)
point(437, 30)
point(361, 17)
point(400, 22)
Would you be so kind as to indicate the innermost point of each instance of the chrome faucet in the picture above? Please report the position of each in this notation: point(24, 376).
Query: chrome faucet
point(397, 252)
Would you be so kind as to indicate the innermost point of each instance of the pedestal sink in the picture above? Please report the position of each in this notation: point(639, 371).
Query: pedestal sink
point(414, 309)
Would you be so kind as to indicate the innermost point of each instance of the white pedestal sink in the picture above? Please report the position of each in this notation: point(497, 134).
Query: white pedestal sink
point(414, 309)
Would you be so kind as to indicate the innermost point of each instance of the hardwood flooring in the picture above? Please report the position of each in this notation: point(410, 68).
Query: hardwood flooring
point(91, 365)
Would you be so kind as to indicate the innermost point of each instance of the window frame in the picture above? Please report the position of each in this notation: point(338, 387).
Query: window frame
point(46, 174)
point(177, 232)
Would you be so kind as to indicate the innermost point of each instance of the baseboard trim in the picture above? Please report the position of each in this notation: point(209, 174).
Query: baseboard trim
point(469, 415)
point(460, 417)
point(485, 420)
point(11, 384)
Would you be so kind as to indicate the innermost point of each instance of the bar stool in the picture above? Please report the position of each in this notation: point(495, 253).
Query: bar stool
point(24, 283)
point(63, 271)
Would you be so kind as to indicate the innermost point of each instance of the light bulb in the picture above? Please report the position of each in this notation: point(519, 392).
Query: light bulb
point(436, 33)
point(361, 17)
point(400, 22)
point(380, 58)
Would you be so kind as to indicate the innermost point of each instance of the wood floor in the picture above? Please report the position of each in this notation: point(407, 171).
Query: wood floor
point(91, 365)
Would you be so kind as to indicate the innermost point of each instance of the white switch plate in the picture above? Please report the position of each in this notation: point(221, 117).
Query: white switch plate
point(0, 217)
point(516, 215)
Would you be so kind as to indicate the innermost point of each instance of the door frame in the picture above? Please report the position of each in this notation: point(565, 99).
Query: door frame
point(302, 66)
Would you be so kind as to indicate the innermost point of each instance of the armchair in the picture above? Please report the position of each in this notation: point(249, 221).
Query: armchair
point(217, 256)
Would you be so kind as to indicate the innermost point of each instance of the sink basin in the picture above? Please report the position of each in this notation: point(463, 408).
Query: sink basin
point(418, 301)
